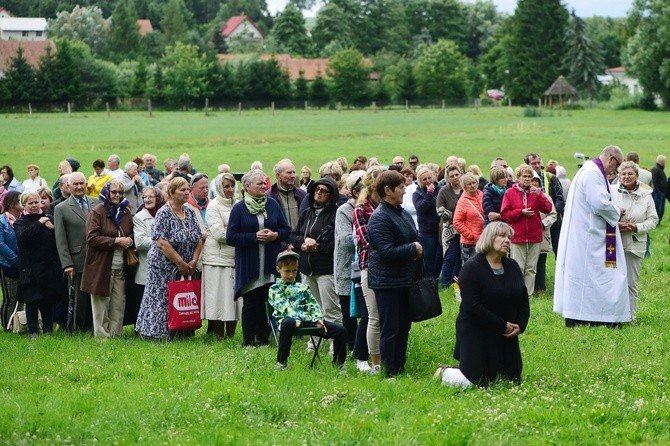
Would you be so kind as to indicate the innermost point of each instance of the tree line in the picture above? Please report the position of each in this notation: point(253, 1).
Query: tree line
point(420, 49)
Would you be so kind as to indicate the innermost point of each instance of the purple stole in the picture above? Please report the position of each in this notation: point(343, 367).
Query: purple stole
point(610, 232)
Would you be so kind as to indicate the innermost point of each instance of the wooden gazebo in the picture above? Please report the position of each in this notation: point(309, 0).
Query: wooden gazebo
point(561, 88)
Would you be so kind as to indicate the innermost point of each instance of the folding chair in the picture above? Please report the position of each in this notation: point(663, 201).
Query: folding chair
point(312, 332)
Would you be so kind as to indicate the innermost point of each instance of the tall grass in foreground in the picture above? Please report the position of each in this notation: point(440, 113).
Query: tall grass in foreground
point(581, 386)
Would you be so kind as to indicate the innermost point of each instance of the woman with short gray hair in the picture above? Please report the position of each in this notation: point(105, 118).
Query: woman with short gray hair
point(256, 228)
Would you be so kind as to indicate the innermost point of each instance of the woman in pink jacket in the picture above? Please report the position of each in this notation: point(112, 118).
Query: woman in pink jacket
point(469, 215)
point(521, 207)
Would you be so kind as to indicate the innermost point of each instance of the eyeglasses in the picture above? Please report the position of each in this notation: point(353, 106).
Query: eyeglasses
point(618, 163)
point(322, 190)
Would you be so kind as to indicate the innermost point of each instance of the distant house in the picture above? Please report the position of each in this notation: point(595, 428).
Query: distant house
point(310, 68)
point(619, 76)
point(145, 27)
point(23, 28)
point(241, 27)
point(4, 13)
point(32, 51)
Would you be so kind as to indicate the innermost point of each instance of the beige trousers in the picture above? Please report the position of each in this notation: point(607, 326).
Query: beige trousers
point(373, 332)
point(323, 290)
point(633, 267)
point(108, 310)
point(526, 255)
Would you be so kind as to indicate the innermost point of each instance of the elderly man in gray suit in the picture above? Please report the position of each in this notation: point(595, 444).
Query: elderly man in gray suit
point(70, 227)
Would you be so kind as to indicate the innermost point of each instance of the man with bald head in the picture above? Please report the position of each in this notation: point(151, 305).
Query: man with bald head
point(70, 228)
point(591, 286)
point(284, 191)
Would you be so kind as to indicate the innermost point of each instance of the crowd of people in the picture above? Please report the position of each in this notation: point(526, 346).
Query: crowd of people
point(66, 251)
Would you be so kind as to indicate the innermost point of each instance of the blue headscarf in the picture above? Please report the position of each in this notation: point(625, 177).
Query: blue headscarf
point(114, 211)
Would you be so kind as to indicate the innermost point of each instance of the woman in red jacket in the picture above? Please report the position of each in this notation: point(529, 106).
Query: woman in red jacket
point(521, 207)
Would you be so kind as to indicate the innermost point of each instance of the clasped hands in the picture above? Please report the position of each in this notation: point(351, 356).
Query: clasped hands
point(309, 245)
point(266, 236)
point(512, 330)
point(187, 269)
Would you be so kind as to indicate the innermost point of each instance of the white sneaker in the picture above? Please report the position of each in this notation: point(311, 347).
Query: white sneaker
point(362, 366)
point(375, 369)
point(331, 350)
point(310, 346)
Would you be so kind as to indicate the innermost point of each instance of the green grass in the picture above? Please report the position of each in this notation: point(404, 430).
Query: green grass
point(580, 386)
point(316, 136)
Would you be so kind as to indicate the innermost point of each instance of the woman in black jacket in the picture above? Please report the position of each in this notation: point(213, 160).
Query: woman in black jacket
point(41, 280)
point(395, 251)
point(314, 239)
point(493, 313)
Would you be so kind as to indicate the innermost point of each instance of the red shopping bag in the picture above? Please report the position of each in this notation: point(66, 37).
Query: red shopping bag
point(184, 304)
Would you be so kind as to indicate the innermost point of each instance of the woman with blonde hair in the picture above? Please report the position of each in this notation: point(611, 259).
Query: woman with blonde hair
point(177, 245)
point(469, 215)
point(64, 167)
point(368, 201)
point(34, 181)
point(305, 178)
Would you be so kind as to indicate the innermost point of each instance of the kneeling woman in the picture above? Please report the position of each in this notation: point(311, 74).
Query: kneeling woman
point(494, 311)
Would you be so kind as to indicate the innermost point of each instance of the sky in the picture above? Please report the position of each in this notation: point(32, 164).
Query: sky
point(583, 8)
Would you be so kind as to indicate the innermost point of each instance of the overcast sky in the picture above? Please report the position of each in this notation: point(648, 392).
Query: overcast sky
point(584, 8)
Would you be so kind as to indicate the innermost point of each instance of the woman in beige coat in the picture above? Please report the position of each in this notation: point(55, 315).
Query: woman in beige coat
point(218, 276)
point(639, 217)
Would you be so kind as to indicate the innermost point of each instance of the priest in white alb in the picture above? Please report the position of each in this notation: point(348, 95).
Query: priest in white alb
point(590, 286)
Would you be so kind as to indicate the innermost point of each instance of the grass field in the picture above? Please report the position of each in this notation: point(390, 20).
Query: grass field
point(581, 386)
point(316, 136)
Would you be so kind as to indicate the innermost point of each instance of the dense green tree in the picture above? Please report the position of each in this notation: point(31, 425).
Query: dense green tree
point(609, 35)
point(399, 81)
point(185, 74)
point(482, 20)
point(65, 72)
point(333, 24)
point(318, 91)
point(582, 61)
point(382, 24)
point(537, 47)
point(124, 35)
point(350, 76)
point(495, 62)
point(430, 20)
point(301, 88)
point(289, 34)
point(442, 72)
point(97, 80)
point(86, 24)
point(140, 80)
point(174, 24)
point(266, 81)
point(648, 52)
point(20, 79)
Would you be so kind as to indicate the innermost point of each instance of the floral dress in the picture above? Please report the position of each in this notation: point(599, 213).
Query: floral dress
point(183, 235)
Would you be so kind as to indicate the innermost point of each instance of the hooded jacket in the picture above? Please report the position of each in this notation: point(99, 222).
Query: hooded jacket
point(317, 222)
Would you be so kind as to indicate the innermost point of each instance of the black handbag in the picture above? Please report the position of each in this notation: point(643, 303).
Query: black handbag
point(424, 301)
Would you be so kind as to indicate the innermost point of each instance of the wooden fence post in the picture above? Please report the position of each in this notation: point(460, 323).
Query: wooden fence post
point(239, 108)
point(107, 108)
point(150, 108)
point(30, 109)
point(69, 108)
point(206, 106)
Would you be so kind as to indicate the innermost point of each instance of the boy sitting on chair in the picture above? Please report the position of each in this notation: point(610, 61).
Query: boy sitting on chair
point(295, 306)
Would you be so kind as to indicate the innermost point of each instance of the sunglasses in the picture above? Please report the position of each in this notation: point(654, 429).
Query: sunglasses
point(322, 190)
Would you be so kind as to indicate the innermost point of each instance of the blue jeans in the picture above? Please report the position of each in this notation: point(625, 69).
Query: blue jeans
point(432, 255)
point(659, 204)
point(451, 265)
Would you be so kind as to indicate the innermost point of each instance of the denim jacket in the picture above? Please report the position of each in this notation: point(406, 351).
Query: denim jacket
point(8, 246)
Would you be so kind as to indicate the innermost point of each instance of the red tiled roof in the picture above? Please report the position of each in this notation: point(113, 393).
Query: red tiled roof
point(32, 51)
point(311, 68)
point(235, 21)
point(616, 70)
point(145, 27)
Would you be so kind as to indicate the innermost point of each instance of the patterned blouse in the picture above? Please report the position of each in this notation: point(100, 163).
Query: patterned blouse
point(293, 300)
point(183, 235)
point(362, 214)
